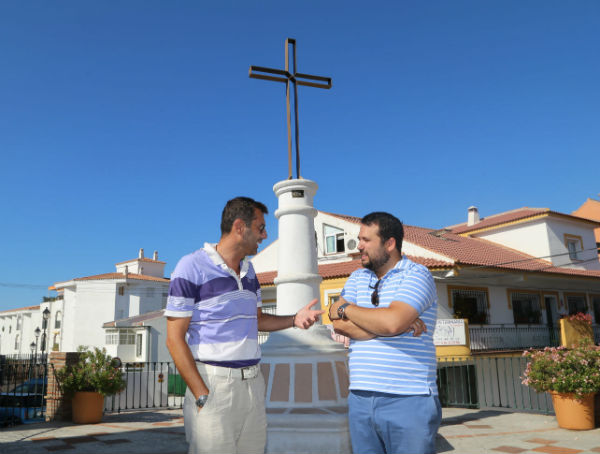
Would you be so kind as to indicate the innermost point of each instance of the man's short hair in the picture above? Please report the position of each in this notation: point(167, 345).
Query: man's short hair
point(240, 208)
point(389, 227)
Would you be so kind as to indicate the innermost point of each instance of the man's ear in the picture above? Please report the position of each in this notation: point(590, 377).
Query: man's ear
point(238, 226)
point(390, 244)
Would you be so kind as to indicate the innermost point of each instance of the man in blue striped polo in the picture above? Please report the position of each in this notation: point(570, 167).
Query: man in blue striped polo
point(213, 317)
point(393, 401)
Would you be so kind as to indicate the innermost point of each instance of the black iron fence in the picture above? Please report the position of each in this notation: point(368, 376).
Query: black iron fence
point(512, 337)
point(23, 383)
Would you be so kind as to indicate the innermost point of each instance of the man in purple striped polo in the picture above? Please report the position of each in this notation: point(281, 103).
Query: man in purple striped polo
point(213, 318)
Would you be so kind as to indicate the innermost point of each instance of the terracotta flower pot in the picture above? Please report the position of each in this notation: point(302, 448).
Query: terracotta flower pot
point(87, 407)
point(572, 413)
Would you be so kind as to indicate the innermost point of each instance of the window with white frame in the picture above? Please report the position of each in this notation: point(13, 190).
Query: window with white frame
point(138, 344)
point(334, 239)
point(471, 304)
point(112, 337)
point(17, 342)
point(57, 320)
point(19, 322)
point(526, 308)
point(576, 304)
point(574, 244)
point(120, 337)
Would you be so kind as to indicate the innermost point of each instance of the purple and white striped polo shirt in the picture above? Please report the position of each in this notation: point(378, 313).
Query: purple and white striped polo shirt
point(223, 328)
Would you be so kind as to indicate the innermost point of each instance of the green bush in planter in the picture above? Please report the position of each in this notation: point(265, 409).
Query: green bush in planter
point(95, 371)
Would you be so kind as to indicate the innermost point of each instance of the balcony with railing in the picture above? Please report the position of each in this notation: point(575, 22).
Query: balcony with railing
point(512, 337)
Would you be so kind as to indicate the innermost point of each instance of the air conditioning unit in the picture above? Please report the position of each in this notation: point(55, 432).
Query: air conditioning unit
point(351, 245)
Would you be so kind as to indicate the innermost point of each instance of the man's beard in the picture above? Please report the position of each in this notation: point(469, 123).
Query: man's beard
point(377, 262)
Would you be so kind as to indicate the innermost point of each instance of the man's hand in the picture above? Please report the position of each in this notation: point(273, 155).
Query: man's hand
point(306, 317)
point(418, 327)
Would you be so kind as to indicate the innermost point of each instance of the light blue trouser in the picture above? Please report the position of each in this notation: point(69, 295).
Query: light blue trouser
point(382, 423)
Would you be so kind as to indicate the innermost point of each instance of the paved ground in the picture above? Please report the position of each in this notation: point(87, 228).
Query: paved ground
point(161, 432)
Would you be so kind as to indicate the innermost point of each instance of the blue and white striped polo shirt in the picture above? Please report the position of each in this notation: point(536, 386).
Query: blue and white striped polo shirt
point(400, 364)
point(223, 328)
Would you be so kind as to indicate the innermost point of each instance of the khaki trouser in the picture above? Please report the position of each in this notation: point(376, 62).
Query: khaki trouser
point(233, 420)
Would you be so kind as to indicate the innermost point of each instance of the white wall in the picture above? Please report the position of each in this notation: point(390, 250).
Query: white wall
point(528, 237)
point(588, 259)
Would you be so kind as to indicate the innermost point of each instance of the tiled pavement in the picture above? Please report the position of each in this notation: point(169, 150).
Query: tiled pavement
point(462, 431)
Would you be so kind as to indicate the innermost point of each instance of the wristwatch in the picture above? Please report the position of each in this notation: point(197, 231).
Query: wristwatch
point(342, 311)
point(201, 402)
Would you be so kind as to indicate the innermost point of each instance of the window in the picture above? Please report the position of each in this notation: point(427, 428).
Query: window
point(19, 322)
point(120, 337)
point(126, 337)
point(138, 344)
point(112, 337)
point(334, 239)
point(574, 244)
point(55, 343)
point(471, 304)
point(332, 299)
point(17, 342)
point(596, 308)
point(526, 308)
point(121, 290)
point(57, 320)
point(576, 303)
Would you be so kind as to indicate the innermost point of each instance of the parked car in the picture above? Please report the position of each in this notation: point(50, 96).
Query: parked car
point(24, 404)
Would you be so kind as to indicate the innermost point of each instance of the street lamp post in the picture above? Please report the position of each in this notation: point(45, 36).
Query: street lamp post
point(37, 333)
point(46, 316)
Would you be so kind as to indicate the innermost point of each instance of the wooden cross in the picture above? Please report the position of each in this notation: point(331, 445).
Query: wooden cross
point(296, 78)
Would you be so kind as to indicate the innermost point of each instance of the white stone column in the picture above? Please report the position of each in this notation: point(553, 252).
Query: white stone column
point(304, 370)
point(297, 278)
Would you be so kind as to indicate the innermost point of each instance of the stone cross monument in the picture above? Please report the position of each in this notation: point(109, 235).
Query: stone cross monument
point(305, 371)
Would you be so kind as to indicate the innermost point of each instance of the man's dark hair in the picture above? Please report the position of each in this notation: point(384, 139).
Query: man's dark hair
point(239, 208)
point(389, 227)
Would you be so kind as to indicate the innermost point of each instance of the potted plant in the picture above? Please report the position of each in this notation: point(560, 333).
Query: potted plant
point(571, 376)
point(92, 377)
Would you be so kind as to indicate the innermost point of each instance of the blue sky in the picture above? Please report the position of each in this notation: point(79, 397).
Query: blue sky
point(129, 124)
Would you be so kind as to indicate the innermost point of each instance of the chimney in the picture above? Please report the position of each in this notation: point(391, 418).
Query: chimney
point(473, 216)
point(126, 273)
point(155, 256)
point(141, 254)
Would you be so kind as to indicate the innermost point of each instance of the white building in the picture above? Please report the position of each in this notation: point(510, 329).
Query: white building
point(17, 330)
point(514, 272)
point(84, 304)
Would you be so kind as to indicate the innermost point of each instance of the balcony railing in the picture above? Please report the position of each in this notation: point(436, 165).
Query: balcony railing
point(512, 337)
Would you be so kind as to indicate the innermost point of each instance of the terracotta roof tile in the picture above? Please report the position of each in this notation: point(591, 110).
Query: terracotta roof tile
point(352, 219)
point(28, 308)
point(145, 259)
point(343, 269)
point(500, 219)
point(480, 252)
point(105, 276)
point(136, 320)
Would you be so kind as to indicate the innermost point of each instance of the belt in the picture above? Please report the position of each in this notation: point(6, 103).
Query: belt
point(243, 373)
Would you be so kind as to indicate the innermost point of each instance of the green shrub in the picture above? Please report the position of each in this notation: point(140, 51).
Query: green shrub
point(94, 371)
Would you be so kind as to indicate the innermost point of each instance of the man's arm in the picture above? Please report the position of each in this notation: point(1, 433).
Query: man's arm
point(398, 318)
point(304, 318)
point(182, 355)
